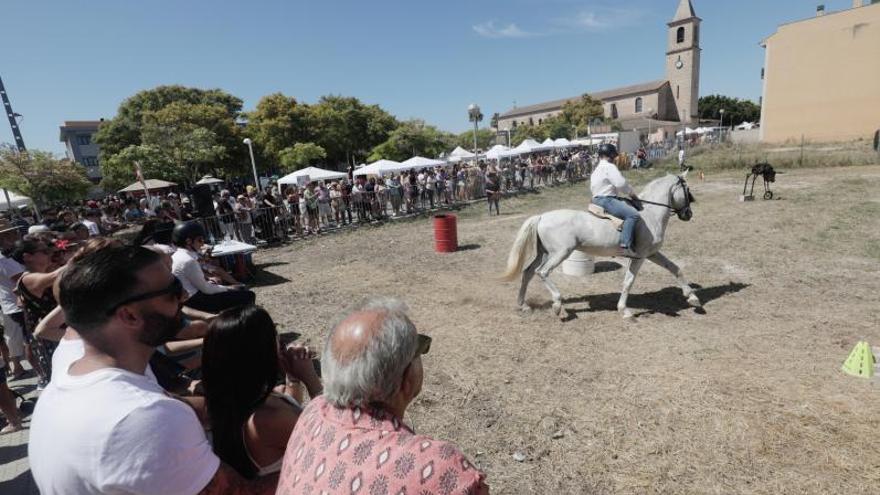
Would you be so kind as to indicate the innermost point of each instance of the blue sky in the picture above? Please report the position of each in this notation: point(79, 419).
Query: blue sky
point(77, 60)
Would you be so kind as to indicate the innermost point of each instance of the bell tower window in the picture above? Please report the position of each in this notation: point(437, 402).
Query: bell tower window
point(639, 105)
point(679, 35)
point(614, 113)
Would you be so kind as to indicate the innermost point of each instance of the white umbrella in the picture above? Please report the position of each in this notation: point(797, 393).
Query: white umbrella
point(151, 185)
point(313, 173)
point(377, 168)
point(209, 180)
point(15, 200)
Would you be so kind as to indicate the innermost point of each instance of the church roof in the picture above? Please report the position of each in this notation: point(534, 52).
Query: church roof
point(685, 11)
point(601, 95)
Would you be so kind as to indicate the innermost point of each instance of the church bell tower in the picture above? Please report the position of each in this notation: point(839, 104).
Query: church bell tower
point(683, 61)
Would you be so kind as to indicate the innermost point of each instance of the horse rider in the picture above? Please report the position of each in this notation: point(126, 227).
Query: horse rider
point(608, 187)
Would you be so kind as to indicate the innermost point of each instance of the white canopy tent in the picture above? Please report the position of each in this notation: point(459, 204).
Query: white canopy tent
point(380, 167)
point(563, 143)
point(687, 130)
point(549, 143)
point(313, 173)
point(459, 154)
point(418, 163)
point(15, 200)
point(497, 152)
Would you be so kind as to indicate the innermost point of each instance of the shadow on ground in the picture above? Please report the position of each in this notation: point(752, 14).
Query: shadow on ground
point(265, 278)
point(668, 301)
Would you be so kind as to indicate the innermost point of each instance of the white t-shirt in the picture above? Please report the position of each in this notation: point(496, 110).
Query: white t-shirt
point(606, 180)
point(112, 431)
point(70, 350)
point(8, 269)
point(94, 230)
point(185, 266)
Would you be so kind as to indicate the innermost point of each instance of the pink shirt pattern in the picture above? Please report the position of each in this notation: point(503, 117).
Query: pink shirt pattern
point(370, 452)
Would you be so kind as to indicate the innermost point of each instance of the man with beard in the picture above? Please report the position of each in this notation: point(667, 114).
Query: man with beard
point(102, 426)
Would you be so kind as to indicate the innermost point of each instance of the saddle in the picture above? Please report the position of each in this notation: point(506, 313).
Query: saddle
point(598, 211)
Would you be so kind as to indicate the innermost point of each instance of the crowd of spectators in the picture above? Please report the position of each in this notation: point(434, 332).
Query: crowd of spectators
point(160, 374)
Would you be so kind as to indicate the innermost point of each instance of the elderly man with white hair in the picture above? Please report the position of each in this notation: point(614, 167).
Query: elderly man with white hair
point(353, 438)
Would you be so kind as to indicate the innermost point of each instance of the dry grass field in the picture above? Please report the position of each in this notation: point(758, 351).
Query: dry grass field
point(746, 397)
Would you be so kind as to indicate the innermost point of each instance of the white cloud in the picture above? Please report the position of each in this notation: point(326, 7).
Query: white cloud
point(490, 30)
point(602, 19)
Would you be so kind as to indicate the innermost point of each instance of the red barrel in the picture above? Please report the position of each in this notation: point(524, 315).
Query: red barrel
point(445, 233)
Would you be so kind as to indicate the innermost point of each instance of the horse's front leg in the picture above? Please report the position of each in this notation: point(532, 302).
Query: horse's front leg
point(630, 277)
point(676, 272)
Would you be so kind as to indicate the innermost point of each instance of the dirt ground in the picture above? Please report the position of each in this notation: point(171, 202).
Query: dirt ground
point(747, 397)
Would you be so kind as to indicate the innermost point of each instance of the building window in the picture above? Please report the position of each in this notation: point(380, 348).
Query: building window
point(677, 92)
point(762, 74)
point(679, 35)
point(90, 161)
point(540, 121)
point(531, 122)
point(639, 105)
point(613, 110)
point(696, 34)
point(84, 139)
point(514, 124)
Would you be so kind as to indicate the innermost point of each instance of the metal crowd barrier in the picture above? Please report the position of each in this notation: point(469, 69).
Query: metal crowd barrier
point(288, 222)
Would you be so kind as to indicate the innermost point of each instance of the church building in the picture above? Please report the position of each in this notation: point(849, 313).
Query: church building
point(670, 100)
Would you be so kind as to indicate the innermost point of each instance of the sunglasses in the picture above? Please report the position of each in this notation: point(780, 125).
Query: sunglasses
point(175, 288)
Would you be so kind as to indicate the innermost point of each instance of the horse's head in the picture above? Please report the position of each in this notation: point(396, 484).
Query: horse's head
point(681, 198)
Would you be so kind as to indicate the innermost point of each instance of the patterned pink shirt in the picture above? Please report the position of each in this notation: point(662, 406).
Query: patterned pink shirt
point(370, 452)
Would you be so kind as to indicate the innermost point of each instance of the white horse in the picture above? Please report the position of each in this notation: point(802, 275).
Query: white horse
point(545, 241)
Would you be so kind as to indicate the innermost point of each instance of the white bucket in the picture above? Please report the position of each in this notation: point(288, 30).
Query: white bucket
point(578, 264)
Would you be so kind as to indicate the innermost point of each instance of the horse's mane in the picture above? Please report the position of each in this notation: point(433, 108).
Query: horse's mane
point(658, 188)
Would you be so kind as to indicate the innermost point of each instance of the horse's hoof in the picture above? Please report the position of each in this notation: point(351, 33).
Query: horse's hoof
point(626, 313)
point(525, 308)
point(562, 314)
point(694, 301)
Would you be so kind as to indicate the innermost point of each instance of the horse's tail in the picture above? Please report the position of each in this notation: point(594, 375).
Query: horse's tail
point(524, 249)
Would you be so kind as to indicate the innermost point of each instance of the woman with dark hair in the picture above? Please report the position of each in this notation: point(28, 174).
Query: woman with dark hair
point(250, 421)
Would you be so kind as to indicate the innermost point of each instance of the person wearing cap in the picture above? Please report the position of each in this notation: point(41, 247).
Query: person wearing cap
point(189, 237)
point(353, 438)
point(609, 188)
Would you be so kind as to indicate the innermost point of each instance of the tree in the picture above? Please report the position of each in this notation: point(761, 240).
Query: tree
point(277, 123)
point(736, 111)
point(42, 177)
point(301, 155)
point(485, 138)
point(347, 129)
point(167, 116)
point(412, 138)
point(581, 112)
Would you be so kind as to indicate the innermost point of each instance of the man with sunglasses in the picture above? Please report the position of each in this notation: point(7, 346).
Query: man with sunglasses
point(102, 426)
point(353, 439)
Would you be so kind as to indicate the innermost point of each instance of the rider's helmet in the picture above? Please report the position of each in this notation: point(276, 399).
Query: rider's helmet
point(608, 150)
point(185, 231)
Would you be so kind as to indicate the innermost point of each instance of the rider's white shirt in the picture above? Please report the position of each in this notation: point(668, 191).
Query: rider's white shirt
point(606, 180)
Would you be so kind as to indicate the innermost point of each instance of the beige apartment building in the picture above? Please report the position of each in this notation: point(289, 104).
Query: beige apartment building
point(822, 77)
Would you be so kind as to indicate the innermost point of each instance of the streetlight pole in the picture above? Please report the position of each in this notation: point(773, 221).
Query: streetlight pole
point(650, 113)
point(250, 145)
point(722, 124)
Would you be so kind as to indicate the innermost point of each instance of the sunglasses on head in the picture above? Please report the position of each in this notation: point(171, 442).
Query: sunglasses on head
point(175, 288)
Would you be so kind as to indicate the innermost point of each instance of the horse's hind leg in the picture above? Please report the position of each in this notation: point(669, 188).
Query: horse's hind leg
point(661, 260)
point(544, 272)
point(632, 270)
point(527, 275)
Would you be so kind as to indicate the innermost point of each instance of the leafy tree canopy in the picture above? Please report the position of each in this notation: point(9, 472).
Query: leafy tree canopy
point(736, 111)
point(42, 177)
point(158, 121)
point(347, 129)
point(301, 155)
point(412, 138)
point(581, 112)
point(277, 123)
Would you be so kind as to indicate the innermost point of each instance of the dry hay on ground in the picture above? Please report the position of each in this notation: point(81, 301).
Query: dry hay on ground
point(747, 398)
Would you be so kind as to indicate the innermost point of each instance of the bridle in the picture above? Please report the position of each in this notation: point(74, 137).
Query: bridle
point(688, 198)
